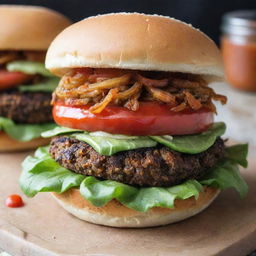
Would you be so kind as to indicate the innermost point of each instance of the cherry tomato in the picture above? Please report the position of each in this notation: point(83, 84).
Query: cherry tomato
point(151, 118)
point(14, 201)
point(12, 79)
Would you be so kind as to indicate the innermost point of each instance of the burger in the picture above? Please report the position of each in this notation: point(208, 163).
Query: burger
point(136, 144)
point(25, 84)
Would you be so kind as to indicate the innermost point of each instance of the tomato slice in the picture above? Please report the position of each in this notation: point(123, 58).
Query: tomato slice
point(11, 79)
point(152, 118)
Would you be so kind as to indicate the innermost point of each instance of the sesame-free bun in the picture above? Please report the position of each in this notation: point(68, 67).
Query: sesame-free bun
point(115, 214)
point(29, 27)
point(7, 144)
point(135, 41)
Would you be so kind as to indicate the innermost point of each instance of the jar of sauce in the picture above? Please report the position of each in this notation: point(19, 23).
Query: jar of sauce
point(238, 44)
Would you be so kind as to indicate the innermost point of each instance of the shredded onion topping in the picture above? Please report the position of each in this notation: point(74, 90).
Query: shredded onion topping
point(101, 87)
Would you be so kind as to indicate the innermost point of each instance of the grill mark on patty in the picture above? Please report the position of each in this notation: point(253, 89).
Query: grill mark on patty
point(30, 108)
point(155, 166)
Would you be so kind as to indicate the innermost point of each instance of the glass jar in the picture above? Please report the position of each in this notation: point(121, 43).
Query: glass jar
point(238, 45)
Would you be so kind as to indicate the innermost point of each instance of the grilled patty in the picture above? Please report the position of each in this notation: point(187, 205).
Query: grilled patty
point(155, 166)
point(30, 108)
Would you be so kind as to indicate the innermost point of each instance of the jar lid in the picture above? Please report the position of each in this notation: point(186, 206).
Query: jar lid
point(239, 22)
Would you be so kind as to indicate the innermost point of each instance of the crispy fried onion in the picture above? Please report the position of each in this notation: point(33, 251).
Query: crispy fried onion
point(98, 107)
point(127, 88)
point(162, 95)
point(152, 82)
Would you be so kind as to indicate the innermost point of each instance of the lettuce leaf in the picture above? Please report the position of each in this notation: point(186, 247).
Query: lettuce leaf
point(238, 153)
point(46, 175)
point(100, 193)
point(103, 143)
point(41, 173)
point(226, 175)
point(193, 144)
point(49, 84)
point(109, 144)
point(28, 67)
point(23, 132)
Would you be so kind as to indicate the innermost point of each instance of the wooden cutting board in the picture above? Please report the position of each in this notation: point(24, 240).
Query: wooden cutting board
point(42, 228)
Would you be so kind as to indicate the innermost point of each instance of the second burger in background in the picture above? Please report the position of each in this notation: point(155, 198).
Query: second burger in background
point(25, 84)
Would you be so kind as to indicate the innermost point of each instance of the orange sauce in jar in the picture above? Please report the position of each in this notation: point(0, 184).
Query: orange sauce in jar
point(238, 45)
point(240, 63)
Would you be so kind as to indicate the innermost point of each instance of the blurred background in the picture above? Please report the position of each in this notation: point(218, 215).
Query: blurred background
point(203, 14)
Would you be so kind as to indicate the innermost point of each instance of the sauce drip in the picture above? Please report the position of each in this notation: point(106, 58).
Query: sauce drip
point(14, 201)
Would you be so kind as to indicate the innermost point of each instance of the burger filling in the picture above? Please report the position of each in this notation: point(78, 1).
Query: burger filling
point(25, 94)
point(127, 88)
point(157, 166)
point(142, 138)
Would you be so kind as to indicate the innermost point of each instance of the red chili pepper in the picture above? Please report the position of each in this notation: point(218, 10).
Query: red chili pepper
point(14, 201)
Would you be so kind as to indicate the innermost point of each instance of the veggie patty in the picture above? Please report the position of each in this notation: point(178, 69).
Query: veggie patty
point(28, 108)
point(155, 166)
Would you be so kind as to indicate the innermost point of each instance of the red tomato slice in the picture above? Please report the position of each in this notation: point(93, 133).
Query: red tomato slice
point(151, 119)
point(12, 79)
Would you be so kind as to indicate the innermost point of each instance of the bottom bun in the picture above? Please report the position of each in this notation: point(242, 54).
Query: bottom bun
point(7, 144)
point(115, 214)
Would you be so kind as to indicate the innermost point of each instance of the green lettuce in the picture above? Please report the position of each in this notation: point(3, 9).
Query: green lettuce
point(23, 132)
point(238, 153)
point(47, 176)
point(28, 67)
point(226, 173)
point(104, 143)
point(193, 144)
point(48, 84)
point(41, 173)
point(109, 144)
point(100, 193)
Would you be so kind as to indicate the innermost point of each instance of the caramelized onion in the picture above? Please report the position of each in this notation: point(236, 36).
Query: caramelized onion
point(133, 103)
point(162, 96)
point(129, 92)
point(97, 108)
point(194, 103)
point(152, 82)
point(221, 98)
point(127, 88)
point(182, 83)
point(180, 107)
point(110, 83)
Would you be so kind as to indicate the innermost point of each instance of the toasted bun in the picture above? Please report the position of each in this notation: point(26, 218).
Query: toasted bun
point(115, 214)
point(135, 41)
point(29, 27)
point(7, 144)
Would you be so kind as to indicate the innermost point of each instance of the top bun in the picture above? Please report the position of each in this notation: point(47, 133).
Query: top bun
point(29, 27)
point(135, 41)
